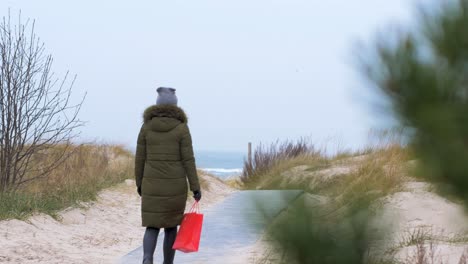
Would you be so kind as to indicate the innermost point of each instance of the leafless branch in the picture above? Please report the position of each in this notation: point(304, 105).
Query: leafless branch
point(36, 112)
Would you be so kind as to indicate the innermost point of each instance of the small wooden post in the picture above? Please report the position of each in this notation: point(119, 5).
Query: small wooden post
point(249, 157)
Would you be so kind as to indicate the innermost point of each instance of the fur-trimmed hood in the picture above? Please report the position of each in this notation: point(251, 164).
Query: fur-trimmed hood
point(171, 111)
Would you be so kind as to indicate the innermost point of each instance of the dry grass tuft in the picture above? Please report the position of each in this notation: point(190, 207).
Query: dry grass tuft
point(377, 174)
point(204, 185)
point(377, 171)
point(89, 169)
point(268, 159)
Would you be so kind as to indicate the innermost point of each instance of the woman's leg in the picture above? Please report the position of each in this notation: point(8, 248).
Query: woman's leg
point(149, 244)
point(169, 238)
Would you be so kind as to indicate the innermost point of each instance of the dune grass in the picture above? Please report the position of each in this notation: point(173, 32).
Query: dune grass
point(271, 159)
point(377, 170)
point(89, 169)
point(273, 176)
point(202, 178)
point(335, 231)
point(376, 174)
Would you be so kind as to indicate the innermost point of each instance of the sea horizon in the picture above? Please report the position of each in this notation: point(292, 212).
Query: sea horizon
point(223, 164)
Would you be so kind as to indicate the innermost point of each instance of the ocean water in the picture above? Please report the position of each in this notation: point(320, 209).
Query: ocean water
point(220, 164)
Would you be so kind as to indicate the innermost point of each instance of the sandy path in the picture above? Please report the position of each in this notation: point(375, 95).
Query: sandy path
point(101, 233)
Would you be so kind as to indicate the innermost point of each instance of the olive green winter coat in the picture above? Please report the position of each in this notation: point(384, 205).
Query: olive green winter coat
point(163, 163)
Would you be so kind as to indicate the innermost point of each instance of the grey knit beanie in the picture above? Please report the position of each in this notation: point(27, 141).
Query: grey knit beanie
point(166, 96)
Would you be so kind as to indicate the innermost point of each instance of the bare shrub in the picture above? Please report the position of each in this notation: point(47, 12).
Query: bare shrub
point(425, 254)
point(35, 109)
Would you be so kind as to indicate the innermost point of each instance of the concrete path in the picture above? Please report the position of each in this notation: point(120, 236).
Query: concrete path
point(228, 228)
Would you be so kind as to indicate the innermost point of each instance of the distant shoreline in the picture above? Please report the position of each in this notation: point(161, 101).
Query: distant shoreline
point(223, 172)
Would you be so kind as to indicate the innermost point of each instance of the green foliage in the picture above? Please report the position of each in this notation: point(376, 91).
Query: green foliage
point(21, 205)
point(325, 233)
point(425, 77)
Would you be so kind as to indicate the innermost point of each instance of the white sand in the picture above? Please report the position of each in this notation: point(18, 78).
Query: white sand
point(416, 209)
point(101, 233)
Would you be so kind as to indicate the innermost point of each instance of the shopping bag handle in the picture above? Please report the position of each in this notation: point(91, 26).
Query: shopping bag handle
point(195, 208)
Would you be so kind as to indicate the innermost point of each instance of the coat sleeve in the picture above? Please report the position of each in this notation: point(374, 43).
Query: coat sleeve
point(140, 157)
point(188, 159)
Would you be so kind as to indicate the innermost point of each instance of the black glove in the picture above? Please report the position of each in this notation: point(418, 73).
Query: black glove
point(197, 195)
point(139, 190)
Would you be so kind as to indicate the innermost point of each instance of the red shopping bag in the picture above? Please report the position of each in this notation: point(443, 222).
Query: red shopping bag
point(188, 238)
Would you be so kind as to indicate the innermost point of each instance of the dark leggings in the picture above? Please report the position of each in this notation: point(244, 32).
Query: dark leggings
point(149, 244)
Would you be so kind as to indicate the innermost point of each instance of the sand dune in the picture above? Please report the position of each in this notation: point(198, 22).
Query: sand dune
point(101, 232)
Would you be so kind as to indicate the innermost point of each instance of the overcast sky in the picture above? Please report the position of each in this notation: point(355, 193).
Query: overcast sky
point(244, 70)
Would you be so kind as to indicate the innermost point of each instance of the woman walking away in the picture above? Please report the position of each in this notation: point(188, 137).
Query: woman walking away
point(164, 160)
